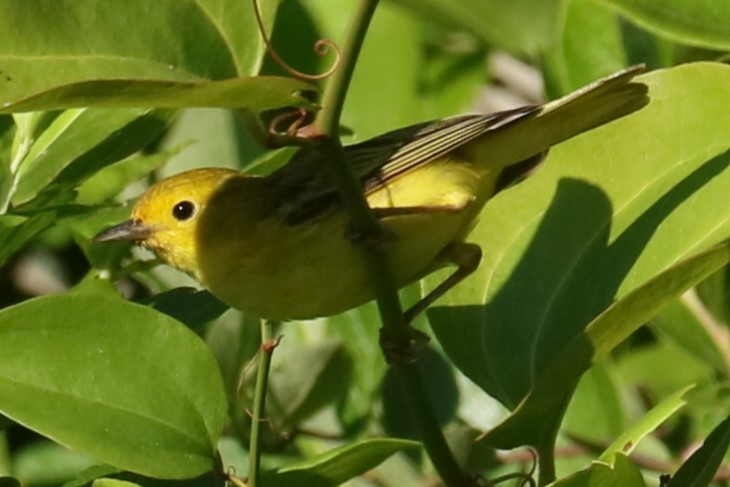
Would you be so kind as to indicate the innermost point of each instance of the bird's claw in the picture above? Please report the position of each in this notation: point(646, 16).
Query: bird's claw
point(403, 346)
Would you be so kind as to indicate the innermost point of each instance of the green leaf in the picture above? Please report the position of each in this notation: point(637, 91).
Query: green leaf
point(527, 424)
point(130, 480)
point(105, 476)
point(192, 307)
point(109, 181)
point(47, 463)
point(8, 137)
point(358, 330)
point(714, 294)
point(117, 381)
point(44, 44)
point(646, 368)
point(525, 26)
point(621, 473)
point(234, 339)
point(107, 256)
point(596, 411)
point(9, 482)
point(589, 47)
point(86, 477)
point(697, 23)
point(628, 440)
point(103, 482)
point(80, 142)
point(336, 466)
point(255, 94)
point(298, 392)
point(609, 211)
point(687, 323)
point(163, 54)
point(700, 468)
point(16, 231)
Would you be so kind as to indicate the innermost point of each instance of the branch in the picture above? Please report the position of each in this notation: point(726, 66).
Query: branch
point(257, 417)
point(368, 228)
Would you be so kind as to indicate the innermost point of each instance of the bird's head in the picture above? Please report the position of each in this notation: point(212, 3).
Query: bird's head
point(166, 218)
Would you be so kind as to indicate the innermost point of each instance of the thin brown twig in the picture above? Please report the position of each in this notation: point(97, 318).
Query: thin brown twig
point(294, 119)
point(322, 47)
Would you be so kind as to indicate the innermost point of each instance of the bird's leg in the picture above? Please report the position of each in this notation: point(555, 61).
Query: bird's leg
point(407, 347)
point(408, 343)
point(466, 256)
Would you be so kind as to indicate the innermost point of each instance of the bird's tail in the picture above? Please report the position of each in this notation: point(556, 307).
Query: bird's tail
point(594, 105)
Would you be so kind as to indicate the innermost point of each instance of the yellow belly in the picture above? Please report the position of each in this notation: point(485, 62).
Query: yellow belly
point(313, 269)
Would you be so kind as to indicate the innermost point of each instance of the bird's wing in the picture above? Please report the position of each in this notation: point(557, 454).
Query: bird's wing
point(303, 189)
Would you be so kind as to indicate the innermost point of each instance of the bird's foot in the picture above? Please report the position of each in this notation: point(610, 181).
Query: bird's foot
point(404, 346)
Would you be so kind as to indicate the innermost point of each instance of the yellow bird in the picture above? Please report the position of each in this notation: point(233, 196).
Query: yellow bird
point(278, 246)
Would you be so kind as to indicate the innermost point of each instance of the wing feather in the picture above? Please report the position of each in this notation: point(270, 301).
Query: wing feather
point(303, 190)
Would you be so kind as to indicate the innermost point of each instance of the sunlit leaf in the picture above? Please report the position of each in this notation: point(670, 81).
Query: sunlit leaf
point(119, 382)
point(337, 466)
point(628, 440)
point(698, 23)
point(609, 210)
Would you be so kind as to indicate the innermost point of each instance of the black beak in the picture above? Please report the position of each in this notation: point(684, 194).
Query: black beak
point(130, 230)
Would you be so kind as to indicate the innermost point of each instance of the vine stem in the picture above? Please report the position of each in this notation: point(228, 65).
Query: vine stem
point(429, 430)
point(268, 344)
point(367, 226)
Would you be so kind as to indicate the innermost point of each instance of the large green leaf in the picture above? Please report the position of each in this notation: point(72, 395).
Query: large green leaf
point(69, 40)
point(117, 381)
point(336, 466)
point(167, 53)
point(254, 93)
point(609, 210)
point(698, 22)
point(541, 409)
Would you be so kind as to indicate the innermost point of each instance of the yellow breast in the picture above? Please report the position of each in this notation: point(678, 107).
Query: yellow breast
point(312, 269)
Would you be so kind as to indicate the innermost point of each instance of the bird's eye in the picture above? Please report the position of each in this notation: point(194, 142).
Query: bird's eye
point(183, 210)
